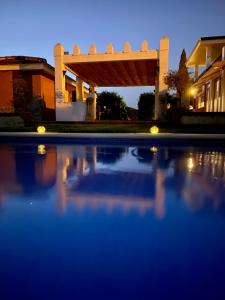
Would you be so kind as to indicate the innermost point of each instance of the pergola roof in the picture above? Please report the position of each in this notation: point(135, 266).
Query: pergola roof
point(127, 68)
point(117, 73)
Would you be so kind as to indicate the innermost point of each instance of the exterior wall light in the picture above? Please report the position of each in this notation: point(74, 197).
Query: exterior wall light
point(41, 129)
point(154, 130)
point(193, 92)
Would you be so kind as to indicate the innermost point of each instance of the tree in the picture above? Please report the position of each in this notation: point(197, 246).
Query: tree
point(111, 106)
point(146, 104)
point(180, 80)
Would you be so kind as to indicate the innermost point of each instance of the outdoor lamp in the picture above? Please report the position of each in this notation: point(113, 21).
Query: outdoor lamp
point(41, 129)
point(154, 130)
point(192, 91)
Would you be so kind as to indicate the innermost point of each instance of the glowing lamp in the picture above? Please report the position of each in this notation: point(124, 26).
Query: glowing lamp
point(154, 130)
point(193, 91)
point(41, 129)
point(41, 149)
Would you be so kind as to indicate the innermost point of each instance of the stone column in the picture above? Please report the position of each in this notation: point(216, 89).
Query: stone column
point(94, 105)
point(79, 89)
point(157, 104)
point(223, 82)
point(212, 94)
point(208, 56)
point(163, 63)
point(59, 74)
point(196, 72)
point(223, 89)
point(223, 53)
point(160, 86)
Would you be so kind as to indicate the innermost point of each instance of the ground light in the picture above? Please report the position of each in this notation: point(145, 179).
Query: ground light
point(41, 129)
point(154, 130)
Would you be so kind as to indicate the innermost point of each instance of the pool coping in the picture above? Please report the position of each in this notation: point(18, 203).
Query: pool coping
point(139, 136)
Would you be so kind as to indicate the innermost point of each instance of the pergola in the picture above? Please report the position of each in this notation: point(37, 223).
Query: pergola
point(111, 69)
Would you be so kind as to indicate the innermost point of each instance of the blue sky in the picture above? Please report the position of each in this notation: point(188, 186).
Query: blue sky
point(33, 27)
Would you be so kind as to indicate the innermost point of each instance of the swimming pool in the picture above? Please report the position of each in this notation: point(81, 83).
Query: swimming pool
point(111, 221)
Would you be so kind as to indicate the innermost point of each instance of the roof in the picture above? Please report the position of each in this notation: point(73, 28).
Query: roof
point(30, 63)
point(208, 73)
point(210, 38)
point(198, 54)
point(116, 68)
point(5, 60)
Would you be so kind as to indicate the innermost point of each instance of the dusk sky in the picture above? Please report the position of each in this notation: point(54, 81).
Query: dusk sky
point(32, 28)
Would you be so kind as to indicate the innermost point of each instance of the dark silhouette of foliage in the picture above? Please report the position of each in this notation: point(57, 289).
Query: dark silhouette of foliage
point(109, 155)
point(180, 81)
point(146, 104)
point(111, 106)
point(37, 107)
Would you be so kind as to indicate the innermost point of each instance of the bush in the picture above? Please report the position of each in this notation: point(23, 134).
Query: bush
point(146, 106)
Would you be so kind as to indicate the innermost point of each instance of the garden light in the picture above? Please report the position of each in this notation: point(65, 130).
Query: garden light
point(41, 129)
point(154, 130)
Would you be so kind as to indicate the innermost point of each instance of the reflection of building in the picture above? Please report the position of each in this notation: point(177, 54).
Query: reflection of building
point(205, 179)
point(8, 179)
point(209, 86)
point(80, 182)
point(24, 171)
point(82, 176)
point(27, 77)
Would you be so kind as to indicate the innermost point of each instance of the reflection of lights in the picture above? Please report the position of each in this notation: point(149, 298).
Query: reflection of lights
point(190, 164)
point(65, 169)
point(41, 149)
point(67, 162)
point(190, 107)
point(41, 129)
point(154, 130)
point(154, 149)
point(168, 106)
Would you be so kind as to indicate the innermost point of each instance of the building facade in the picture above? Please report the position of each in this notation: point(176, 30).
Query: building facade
point(208, 90)
point(23, 79)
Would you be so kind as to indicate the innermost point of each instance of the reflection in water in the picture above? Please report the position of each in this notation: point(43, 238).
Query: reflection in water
point(109, 155)
point(77, 176)
point(77, 225)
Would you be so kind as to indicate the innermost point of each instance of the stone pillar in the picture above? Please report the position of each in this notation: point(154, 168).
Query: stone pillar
point(223, 82)
point(223, 89)
point(223, 53)
point(208, 56)
point(196, 72)
point(79, 89)
point(157, 104)
point(94, 105)
point(163, 63)
point(59, 74)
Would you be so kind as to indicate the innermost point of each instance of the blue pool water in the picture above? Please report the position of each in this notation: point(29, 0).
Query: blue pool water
point(109, 222)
